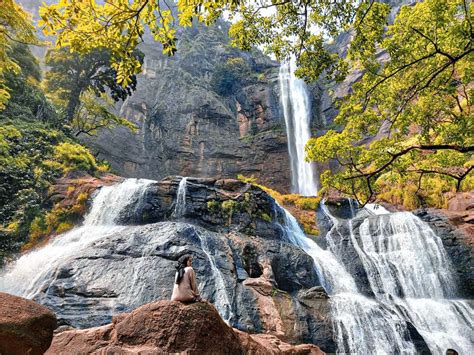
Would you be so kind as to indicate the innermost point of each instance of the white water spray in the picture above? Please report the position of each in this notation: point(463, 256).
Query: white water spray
point(297, 112)
point(409, 271)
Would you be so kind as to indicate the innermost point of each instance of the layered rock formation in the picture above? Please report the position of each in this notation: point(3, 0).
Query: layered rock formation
point(171, 327)
point(244, 263)
point(187, 127)
point(25, 326)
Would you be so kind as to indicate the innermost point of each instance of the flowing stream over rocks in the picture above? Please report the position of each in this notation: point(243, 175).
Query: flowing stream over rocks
point(388, 275)
point(409, 276)
point(297, 113)
point(27, 275)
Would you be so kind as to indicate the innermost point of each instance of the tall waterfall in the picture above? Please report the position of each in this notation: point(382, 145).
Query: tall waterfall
point(26, 276)
point(297, 112)
point(409, 274)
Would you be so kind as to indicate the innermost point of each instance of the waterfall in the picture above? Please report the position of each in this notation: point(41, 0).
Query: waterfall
point(26, 275)
point(409, 270)
point(180, 206)
point(221, 300)
point(409, 273)
point(297, 113)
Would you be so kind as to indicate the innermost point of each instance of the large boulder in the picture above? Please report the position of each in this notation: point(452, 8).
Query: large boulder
point(170, 327)
point(25, 326)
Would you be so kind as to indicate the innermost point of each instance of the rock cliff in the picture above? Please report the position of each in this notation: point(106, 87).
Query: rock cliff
point(244, 263)
point(189, 125)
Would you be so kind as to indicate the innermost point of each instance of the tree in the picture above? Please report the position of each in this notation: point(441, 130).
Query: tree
point(230, 75)
point(415, 108)
point(421, 95)
point(284, 27)
point(72, 74)
point(94, 113)
point(15, 27)
point(27, 101)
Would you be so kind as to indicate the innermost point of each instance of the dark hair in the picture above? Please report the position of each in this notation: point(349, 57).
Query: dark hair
point(182, 263)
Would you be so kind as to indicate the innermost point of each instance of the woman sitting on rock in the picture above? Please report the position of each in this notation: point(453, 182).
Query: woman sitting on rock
point(185, 289)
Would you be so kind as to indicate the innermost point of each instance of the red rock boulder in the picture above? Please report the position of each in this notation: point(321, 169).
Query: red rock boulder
point(170, 327)
point(25, 326)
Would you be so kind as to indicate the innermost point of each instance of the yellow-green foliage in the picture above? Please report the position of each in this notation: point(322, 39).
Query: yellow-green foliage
point(308, 223)
point(308, 203)
point(434, 192)
point(58, 220)
point(73, 156)
point(302, 207)
point(213, 206)
point(265, 217)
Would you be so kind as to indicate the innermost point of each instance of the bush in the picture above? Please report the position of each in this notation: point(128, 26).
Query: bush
point(308, 203)
point(230, 76)
point(73, 156)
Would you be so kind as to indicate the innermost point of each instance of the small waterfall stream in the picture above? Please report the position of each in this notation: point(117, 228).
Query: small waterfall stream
point(297, 113)
point(180, 206)
point(26, 275)
point(409, 274)
point(222, 303)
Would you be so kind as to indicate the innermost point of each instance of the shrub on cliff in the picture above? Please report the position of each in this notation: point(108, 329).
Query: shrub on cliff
point(229, 76)
point(302, 207)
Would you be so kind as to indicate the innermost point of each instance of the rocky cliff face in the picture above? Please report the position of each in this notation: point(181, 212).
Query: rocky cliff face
point(187, 127)
point(245, 266)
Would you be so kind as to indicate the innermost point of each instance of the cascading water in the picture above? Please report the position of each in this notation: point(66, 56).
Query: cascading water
point(409, 274)
point(408, 269)
point(26, 276)
point(297, 113)
point(360, 324)
point(221, 301)
point(180, 206)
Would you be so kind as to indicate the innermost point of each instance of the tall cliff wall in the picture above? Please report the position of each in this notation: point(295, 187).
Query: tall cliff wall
point(187, 128)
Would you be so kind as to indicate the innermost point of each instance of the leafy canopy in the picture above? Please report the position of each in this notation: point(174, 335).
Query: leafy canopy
point(285, 27)
point(15, 27)
point(73, 77)
point(410, 117)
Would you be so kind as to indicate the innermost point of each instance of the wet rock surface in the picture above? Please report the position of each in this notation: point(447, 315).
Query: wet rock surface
point(135, 265)
point(26, 327)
